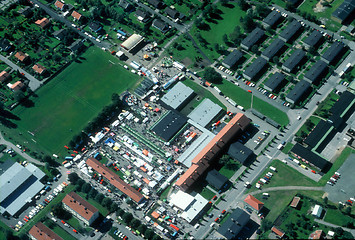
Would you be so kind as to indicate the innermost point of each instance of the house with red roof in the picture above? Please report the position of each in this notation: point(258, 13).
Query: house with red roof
point(76, 15)
point(318, 234)
point(4, 76)
point(38, 68)
point(17, 86)
point(22, 57)
point(41, 232)
point(277, 231)
point(60, 5)
point(44, 22)
point(251, 201)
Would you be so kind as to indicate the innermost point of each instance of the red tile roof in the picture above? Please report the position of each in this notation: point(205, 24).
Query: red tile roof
point(21, 56)
point(76, 15)
point(39, 68)
point(115, 180)
point(277, 231)
point(43, 22)
point(318, 234)
point(3, 76)
point(59, 5)
point(40, 232)
point(202, 161)
point(79, 205)
point(17, 86)
point(253, 202)
point(295, 202)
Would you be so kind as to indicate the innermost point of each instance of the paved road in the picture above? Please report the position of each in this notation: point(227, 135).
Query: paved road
point(352, 231)
point(66, 22)
point(34, 82)
point(283, 188)
point(19, 151)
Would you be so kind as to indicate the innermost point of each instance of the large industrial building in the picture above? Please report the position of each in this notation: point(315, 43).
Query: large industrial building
point(115, 180)
point(202, 161)
point(177, 97)
point(169, 125)
point(18, 186)
point(205, 112)
point(80, 208)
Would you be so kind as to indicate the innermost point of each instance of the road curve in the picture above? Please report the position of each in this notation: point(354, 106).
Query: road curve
point(271, 189)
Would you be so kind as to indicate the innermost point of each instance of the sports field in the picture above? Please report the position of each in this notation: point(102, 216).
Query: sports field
point(69, 101)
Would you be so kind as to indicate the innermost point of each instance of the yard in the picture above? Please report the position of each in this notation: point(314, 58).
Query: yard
point(287, 148)
point(207, 193)
point(58, 230)
point(67, 103)
point(338, 218)
point(231, 170)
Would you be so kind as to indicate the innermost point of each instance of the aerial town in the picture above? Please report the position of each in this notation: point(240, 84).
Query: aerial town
point(177, 119)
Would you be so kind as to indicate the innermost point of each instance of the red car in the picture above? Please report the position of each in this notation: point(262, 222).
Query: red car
point(125, 238)
point(214, 197)
point(75, 231)
point(216, 220)
point(25, 219)
point(313, 171)
point(46, 200)
point(224, 211)
point(335, 176)
point(63, 222)
point(249, 91)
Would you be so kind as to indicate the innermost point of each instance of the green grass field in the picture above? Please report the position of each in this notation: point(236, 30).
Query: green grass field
point(243, 98)
point(287, 148)
point(68, 102)
point(207, 193)
point(336, 217)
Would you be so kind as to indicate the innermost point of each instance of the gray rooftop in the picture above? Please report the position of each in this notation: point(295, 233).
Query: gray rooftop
point(274, 81)
point(233, 58)
point(290, 30)
point(205, 112)
point(297, 92)
point(313, 38)
point(177, 95)
point(294, 59)
point(273, 49)
point(316, 70)
point(253, 37)
point(234, 224)
point(255, 67)
point(344, 10)
point(272, 18)
point(333, 52)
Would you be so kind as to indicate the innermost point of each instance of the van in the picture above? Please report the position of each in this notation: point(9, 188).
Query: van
point(42, 192)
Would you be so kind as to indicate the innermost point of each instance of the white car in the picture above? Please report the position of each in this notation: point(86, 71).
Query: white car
point(336, 173)
point(331, 184)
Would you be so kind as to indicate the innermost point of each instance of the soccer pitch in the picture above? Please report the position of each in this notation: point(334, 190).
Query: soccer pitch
point(68, 102)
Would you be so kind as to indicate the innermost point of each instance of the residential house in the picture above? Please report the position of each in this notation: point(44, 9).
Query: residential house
point(77, 16)
point(95, 27)
point(161, 25)
point(60, 5)
point(142, 15)
point(295, 202)
point(125, 5)
point(172, 13)
point(39, 231)
point(317, 211)
point(300, 89)
point(22, 57)
point(316, 72)
point(60, 34)
point(156, 3)
point(291, 31)
point(76, 46)
point(278, 232)
point(233, 225)
point(254, 203)
point(5, 45)
point(253, 71)
point(331, 54)
point(231, 60)
point(4, 76)
point(17, 86)
point(43, 23)
point(215, 179)
point(313, 39)
point(293, 61)
point(273, 83)
point(239, 152)
point(253, 38)
point(318, 234)
point(80, 208)
point(271, 19)
point(38, 68)
point(345, 12)
point(273, 50)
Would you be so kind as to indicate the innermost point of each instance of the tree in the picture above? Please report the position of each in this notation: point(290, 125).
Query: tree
point(99, 197)
point(73, 177)
point(156, 237)
point(348, 210)
point(211, 75)
point(225, 38)
point(149, 233)
point(127, 217)
point(262, 10)
point(276, 59)
point(19, 96)
point(243, 5)
point(236, 35)
point(247, 23)
point(85, 188)
point(142, 228)
point(224, 160)
point(119, 212)
point(255, 49)
point(92, 192)
point(325, 200)
point(113, 207)
point(106, 202)
point(80, 182)
point(135, 223)
point(60, 212)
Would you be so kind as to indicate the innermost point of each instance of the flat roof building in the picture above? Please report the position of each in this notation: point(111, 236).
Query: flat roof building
point(234, 224)
point(314, 74)
point(178, 96)
point(252, 72)
point(274, 82)
point(333, 52)
point(168, 125)
point(253, 38)
point(290, 31)
point(18, 186)
point(202, 161)
point(273, 50)
point(239, 152)
point(115, 180)
point(215, 179)
point(41, 232)
point(132, 42)
point(344, 12)
point(271, 19)
point(80, 208)
point(313, 39)
point(343, 105)
point(300, 89)
point(205, 112)
point(232, 59)
point(293, 61)
point(320, 131)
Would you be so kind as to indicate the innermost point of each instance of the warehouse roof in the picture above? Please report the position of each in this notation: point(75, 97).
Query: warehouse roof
point(294, 59)
point(132, 41)
point(297, 92)
point(115, 180)
point(273, 49)
point(318, 133)
point(272, 18)
point(234, 224)
point(215, 179)
point(290, 30)
point(344, 10)
point(144, 87)
point(205, 112)
point(346, 99)
point(169, 125)
point(239, 152)
point(79, 205)
point(177, 95)
point(233, 58)
point(311, 157)
point(333, 51)
point(316, 70)
point(255, 67)
point(253, 37)
point(274, 81)
point(196, 207)
point(313, 38)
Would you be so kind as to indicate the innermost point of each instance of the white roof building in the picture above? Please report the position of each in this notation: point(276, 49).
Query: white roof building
point(317, 211)
point(181, 200)
point(132, 42)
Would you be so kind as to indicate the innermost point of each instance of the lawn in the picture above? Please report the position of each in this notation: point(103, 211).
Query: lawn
point(165, 193)
point(315, 120)
point(285, 176)
point(287, 148)
point(207, 193)
point(60, 231)
point(84, 88)
point(229, 172)
point(324, 107)
point(243, 98)
point(336, 217)
point(74, 223)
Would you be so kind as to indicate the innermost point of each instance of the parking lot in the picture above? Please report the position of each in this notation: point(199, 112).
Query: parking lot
point(343, 189)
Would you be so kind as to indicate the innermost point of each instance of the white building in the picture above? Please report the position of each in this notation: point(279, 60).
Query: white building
point(317, 211)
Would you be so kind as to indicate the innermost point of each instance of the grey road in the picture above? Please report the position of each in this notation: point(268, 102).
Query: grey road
point(272, 189)
point(34, 83)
